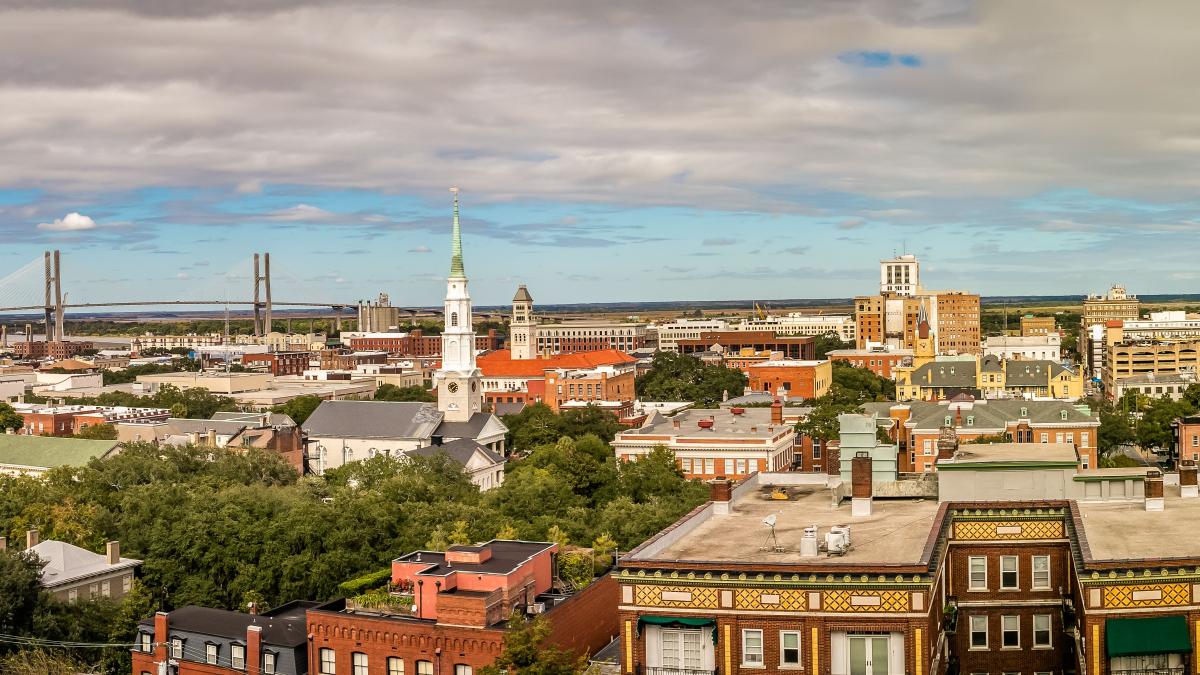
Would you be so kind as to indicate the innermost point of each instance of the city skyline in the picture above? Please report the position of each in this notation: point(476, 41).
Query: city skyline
point(718, 153)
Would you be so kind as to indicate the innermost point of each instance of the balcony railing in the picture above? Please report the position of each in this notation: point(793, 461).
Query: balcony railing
point(644, 670)
point(1150, 671)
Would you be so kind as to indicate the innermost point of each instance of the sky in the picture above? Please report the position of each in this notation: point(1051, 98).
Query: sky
point(667, 150)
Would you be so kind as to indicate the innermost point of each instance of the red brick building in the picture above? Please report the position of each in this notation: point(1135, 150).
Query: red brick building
point(803, 347)
point(416, 344)
point(278, 363)
point(68, 420)
point(793, 379)
point(880, 362)
point(55, 349)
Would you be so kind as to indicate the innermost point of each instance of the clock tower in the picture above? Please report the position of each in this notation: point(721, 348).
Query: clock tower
point(459, 381)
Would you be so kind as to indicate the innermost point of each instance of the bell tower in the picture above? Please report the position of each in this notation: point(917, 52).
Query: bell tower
point(522, 327)
point(459, 381)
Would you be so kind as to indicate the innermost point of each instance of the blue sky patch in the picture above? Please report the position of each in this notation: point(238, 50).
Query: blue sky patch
point(879, 59)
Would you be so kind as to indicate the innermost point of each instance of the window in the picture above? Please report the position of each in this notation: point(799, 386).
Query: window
point(424, 667)
point(237, 655)
point(741, 467)
point(970, 420)
point(269, 663)
point(1008, 572)
point(729, 467)
point(1063, 414)
point(453, 318)
point(144, 642)
point(106, 589)
point(979, 636)
point(789, 648)
point(72, 595)
point(395, 665)
point(177, 648)
point(358, 663)
point(1195, 441)
point(978, 573)
point(93, 590)
point(210, 653)
point(752, 647)
point(709, 467)
point(463, 669)
point(682, 649)
point(1045, 437)
point(1010, 632)
point(1041, 630)
point(927, 446)
point(1041, 572)
point(685, 465)
point(817, 450)
point(328, 665)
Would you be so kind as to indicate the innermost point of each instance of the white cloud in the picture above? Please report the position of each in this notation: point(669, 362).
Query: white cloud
point(72, 222)
point(420, 249)
point(302, 213)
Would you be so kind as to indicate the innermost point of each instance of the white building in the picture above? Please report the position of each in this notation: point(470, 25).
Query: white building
point(1032, 347)
point(901, 275)
point(671, 332)
point(796, 323)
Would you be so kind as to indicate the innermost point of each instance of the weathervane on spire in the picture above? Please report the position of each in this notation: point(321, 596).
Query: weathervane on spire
point(456, 261)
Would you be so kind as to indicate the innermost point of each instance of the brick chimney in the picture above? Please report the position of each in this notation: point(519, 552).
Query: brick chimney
point(720, 494)
point(1154, 490)
point(31, 539)
point(947, 443)
point(1187, 479)
point(860, 484)
point(777, 412)
point(161, 637)
point(113, 552)
point(253, 648)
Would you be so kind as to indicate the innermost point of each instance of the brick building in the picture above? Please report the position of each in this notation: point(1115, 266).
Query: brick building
point(791, 378)
point(343, 359)
point(460, 601)
point(510, 380)
point(1061, 571)
point(610, 387)
point(54, 349)
point(802, 347)
point(68, 420)
point(415, 343)
point(733, 442)
point(1035, 326)
point(880, 361)
point(890, 318)
point(278, 363)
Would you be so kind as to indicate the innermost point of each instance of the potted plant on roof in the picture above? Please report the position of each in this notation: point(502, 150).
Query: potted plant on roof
point(950, 616)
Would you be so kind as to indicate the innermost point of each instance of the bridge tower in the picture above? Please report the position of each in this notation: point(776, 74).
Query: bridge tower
point(262, 286)
point(54, 305)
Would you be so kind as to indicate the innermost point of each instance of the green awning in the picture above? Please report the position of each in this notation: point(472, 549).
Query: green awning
point(1155, 635)
point(678, 622)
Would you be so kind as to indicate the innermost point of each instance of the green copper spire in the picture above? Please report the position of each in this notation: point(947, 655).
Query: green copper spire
point(456, 262)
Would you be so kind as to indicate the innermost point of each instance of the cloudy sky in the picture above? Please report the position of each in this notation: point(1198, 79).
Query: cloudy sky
point(606, 150)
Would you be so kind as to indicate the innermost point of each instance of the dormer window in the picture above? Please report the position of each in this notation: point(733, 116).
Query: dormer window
point(970, 420)
point(947, 422)
point(210, 652)
point(145, 642)
point(176, 648)
point(1024, 412)
point(1063, 414)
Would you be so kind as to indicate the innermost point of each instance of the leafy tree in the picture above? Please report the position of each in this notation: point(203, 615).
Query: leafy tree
point(829, 342)
point(9, 418)
point(1154, 428)
point(298, 408)
point(558, 536)
point(985, 440)
point(1117, 460)
point(527, 650)
point(507, 532)
point(1115, 428)
point(98, 432)
point(42, 662)
point(535, 425)
point(680, 377)
point(390, 392)
point(20, 591)
point(859, 385)
point(589, 420)
point(459, 535)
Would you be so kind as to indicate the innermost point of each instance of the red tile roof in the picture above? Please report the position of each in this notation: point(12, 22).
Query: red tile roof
point(500, 363)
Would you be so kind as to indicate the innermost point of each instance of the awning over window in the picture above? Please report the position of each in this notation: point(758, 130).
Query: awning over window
point(678, 622)
point(1156, 635)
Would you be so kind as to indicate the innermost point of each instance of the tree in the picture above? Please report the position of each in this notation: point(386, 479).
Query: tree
point(10, 418)
point(390, 392)
point(986, 440)
point(98, 432)
point(680, 377)
point(42, 662)
point(527, 650)
point(535, 425)
point(829, 342)
point(589, 420)
point(20, 591)
point(298, 408)
point(1154, 429)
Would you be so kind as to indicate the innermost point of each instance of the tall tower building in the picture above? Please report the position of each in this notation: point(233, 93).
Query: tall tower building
point(522, 326)
point(900, 276)
point(458, 381)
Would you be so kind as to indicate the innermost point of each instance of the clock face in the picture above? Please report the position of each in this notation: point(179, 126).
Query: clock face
point(452, 387)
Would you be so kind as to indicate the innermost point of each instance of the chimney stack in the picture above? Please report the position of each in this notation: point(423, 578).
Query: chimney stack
point(113, 551)
point(212, 438)
point(1187, 479)
point(720, 494)
point(1154, 490)
point(675, 423)
point(860, 484)
point(31, 539)
point(253, 646)
point(777, 412)
point(161, 636)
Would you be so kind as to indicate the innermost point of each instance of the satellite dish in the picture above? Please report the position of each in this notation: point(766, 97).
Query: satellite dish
point(769, 521)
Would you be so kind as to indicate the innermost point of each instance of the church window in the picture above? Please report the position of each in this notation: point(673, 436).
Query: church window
point(453, 318)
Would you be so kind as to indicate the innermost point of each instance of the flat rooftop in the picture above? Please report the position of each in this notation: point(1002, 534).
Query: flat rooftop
point(969, 454)
point(751, 422)
point(894, 533)
point(1127, 531)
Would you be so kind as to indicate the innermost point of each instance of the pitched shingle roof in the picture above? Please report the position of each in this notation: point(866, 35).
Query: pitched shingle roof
point(460, 451)
point(989, 414)
point(373, 419)
point(66, 563)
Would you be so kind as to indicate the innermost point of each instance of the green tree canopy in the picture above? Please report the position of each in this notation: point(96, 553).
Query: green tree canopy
point(98, 432)
point(9, 418)
point(680, 377)
point(390, 392)
point(298, 408)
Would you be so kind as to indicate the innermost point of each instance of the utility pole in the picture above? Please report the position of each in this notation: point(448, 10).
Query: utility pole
point(49, 306)
point(257, 304)
point(60, 330)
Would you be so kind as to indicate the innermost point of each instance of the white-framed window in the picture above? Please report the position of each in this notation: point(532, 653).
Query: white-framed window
point(682, 649)
point(1045, 437)
point(979, 632)
point(395, 665)
point(1010, 632)
point(789, 648)
point(1041, 572)
point(816, 450)
point(424, 667)
point(176, 648)
point(927, 446)
point(710, 468)
point(269, 663)
point(358, 663)
point(463, 669)
point(1041, 631)
point(977, 574)
point(237, 656)
point(1009, 573)
point(752, 647)
point(741, 467)
point(729, 465)
point(210, 653)
point(1083, 438)
point(145, 642)
point(328, 664)
point(685, 465)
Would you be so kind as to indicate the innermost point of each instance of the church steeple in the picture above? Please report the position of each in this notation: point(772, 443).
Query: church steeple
point(456, 260)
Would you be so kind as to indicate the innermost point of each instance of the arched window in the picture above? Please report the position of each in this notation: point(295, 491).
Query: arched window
point(453, 318)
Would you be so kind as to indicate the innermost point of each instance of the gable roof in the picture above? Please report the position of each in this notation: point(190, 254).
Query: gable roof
point(373, 419)
point(254, 418)
point(66, 563)
point(472, 428)
point(281, 627)
point(44, 452)
point(928, 416)
point(500, 363)
point(461, 451)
